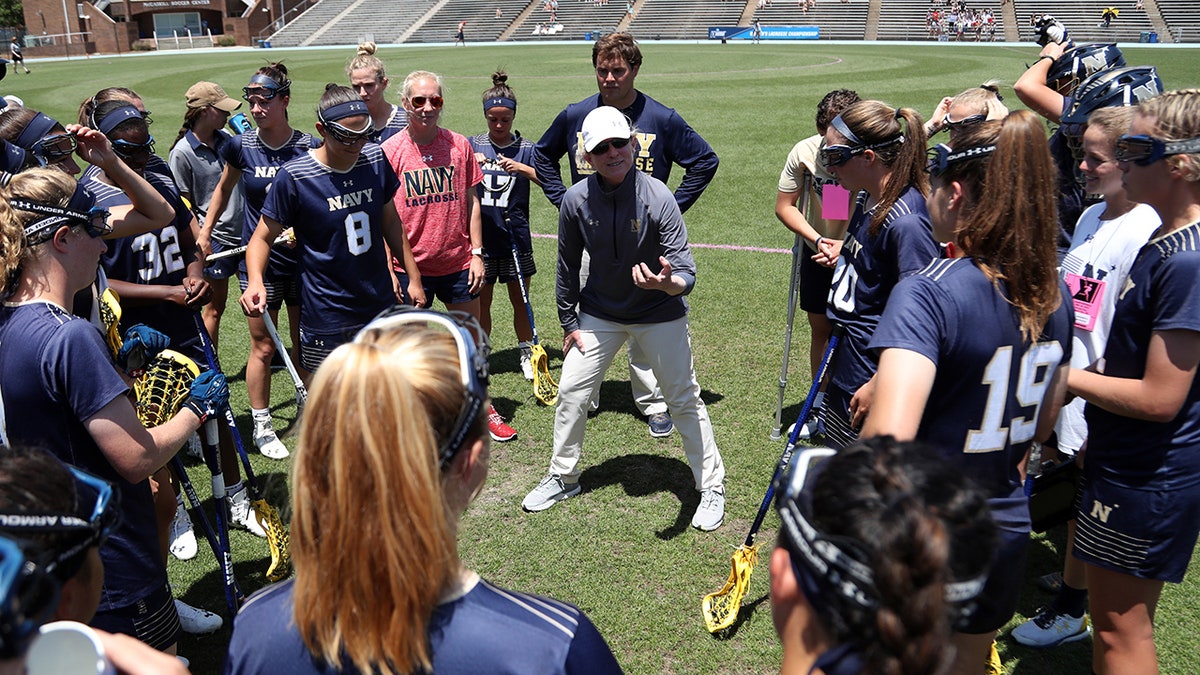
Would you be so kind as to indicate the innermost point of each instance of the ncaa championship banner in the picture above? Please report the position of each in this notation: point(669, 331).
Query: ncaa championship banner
point(768, 32)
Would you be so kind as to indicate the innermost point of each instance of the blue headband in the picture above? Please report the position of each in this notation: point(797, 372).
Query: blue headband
point(844, 130)
point(267, 82)
point(343, 110)
point(36, 130)
point(116, 117)
point(13, 157)
point(500, 102)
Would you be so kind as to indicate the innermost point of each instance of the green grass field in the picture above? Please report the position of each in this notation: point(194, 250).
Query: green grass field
point(623, 551)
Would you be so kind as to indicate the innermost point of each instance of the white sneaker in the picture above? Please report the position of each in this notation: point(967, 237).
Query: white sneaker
point(1049, 629)
point(183, 536)
point(268, 443)
point(193, 448)
point(196, 621)
point(711, 511)
point(549, 492)
point(526, 359)
point(242, 514)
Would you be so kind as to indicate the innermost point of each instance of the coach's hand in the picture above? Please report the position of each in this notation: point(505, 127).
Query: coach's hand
point(254, 300)
point(209, 392)
point(663, 281)
point(574, 338)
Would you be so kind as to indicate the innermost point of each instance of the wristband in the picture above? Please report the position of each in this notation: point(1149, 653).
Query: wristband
point(1044, 56)
point(477, 251)
point(817, 243)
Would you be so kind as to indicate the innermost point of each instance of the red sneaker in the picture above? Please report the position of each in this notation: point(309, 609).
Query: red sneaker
point(500, 431)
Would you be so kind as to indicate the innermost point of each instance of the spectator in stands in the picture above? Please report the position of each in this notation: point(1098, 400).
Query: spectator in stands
point(396, 429)
point(665, 139)
point(1108, 15)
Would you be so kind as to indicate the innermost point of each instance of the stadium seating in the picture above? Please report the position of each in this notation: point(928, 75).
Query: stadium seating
point(1082, 18)
point(329, 22)
point(482, 24)
point(838, 20)
point(577, 19)
point(684, 19)
point(905, 20)
point(1182, 19)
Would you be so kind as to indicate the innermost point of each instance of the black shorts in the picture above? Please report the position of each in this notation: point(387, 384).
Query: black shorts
point(279, 290)
point(503, 269)
point(152, 619)
point(223, 268)
point(315, 347)
point(451, 289)
point(815, 280)
point(1145, 533)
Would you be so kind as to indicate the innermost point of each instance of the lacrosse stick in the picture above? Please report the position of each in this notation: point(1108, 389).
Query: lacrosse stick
point(288, 236)
point(110, 317)
point(793, 300)
point(544, 387)
point(159, 393)
point(720, 609)
point(301, 390)
point(266, 515)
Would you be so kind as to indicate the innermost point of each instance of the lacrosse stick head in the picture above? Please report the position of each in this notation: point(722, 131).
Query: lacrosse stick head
point(110, 317)
point(277, 539)
point(721, 608)
point(163, 387)
point(544, 387)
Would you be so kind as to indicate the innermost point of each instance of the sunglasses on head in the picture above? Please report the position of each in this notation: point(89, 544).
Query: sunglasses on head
point(348, 136)
point(1145, 150)
point(603, 147)
point(473, 349)
point(55, 146)
point(941, 156)
point(967, 121)
point(128, 149)
point(96, 497)
point(420, 101)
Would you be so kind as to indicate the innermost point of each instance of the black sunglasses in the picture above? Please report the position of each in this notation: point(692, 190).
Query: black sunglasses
point(602, 148)
point(127, 149)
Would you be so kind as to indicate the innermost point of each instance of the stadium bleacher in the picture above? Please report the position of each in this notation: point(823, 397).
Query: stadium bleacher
point(837, 20)
point(577, 19)
point(1082, 18)
point(905, 20)
point(684, 18)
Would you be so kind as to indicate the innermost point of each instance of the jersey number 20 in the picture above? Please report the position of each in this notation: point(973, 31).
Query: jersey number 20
point(1037, 367)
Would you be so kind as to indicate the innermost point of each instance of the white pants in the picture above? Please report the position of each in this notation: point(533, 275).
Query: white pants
point(668, 349)
point(646, 395)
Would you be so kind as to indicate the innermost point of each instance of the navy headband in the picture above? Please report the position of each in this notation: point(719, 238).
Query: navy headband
point(76, 211)
point(343, 110)
point(844, 130)
point(116, 117)
point(269, 83)
point(13, 157)
point(37, 129)
point(500, 102)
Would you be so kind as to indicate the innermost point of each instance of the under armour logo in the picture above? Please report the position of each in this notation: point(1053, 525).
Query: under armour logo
point(426, 158)
point(347, 183)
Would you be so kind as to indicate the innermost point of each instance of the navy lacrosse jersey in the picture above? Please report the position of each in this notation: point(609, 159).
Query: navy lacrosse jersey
point(1159, 295)
point(337, 217)
point(55, 373)
point(154, 258)
point(503, 196)
point(395, 124)
point(259, 163)
point(663, 139)
point(485, 631)
point(867, 270)
point(983, 408)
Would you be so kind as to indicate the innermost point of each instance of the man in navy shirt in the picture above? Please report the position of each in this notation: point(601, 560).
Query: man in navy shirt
point(664, 139)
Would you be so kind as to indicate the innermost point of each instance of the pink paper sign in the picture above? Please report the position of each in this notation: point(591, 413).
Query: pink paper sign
point(835, 202)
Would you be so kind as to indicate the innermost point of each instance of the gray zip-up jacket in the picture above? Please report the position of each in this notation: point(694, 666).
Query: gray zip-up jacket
point(635, 223)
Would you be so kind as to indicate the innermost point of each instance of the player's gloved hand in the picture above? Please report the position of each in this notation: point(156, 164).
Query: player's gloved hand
point(209, 392)
point(1050, 29)
point(142, 343)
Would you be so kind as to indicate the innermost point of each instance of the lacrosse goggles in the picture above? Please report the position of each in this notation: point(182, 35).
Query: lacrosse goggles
point(825, 564)
point(1145, 150)
point(28, 598)
point(345, 135)
point(837, 155)
point(47, 145)
point(103, 520)
point(941, 156)
point(79, 212)
point(472, 360)
point(262, 88)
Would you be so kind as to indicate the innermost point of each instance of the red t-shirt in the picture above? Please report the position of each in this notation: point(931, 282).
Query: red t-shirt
point(435, 182)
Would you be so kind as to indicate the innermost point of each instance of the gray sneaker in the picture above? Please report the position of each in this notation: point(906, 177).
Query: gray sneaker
point(711, 511)
point(1049, 629)
point(661, 425)
point(549, 492)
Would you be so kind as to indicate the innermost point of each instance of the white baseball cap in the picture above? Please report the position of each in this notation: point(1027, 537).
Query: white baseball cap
point(602, 124)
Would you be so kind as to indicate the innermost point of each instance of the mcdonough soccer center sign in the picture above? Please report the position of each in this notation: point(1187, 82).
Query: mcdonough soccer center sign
point(768, 32)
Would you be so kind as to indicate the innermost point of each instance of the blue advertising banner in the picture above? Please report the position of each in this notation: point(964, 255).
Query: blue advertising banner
point(768, 32)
